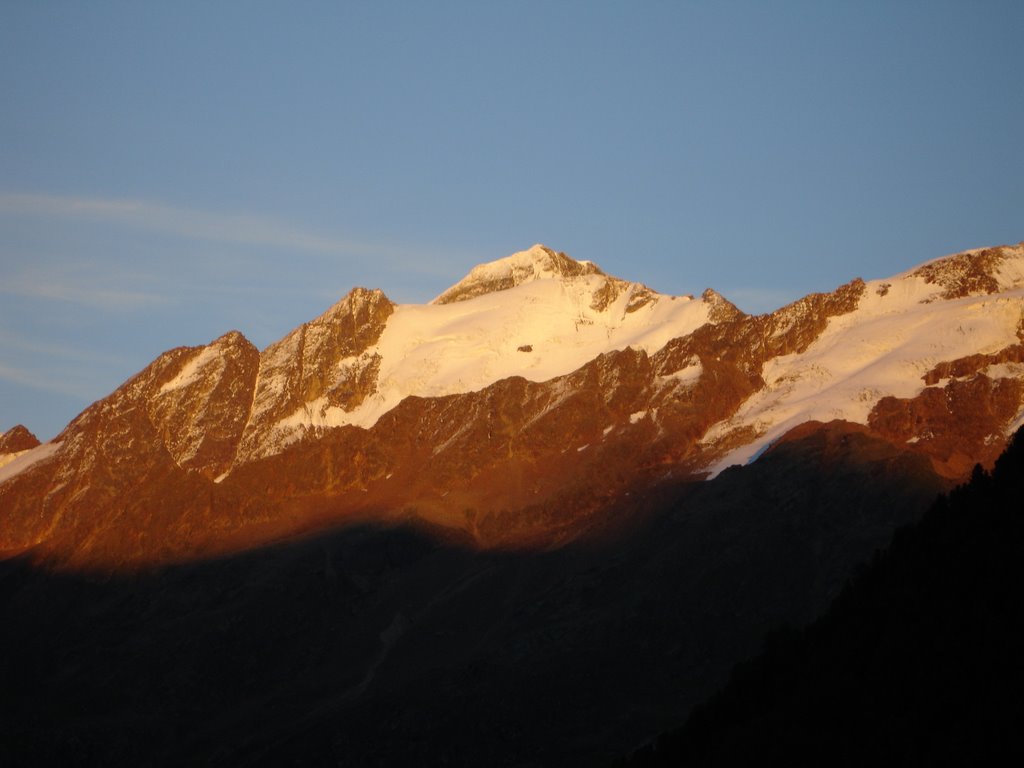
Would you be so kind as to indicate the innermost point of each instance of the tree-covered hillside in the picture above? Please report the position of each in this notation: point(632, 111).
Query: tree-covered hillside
point(917, 662)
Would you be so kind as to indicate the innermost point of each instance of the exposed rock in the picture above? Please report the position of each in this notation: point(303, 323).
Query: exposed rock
point(376, 645)
point(980, 398)
point(969, 273)
point(967, 366)
point(318, 365)
point(722, 310)
point(958, 425)
point(17, 439)
point(201, 411)
point(613, 287)
point(535, 263)
point(199, 455)
point(218, 448)
point(133, 467)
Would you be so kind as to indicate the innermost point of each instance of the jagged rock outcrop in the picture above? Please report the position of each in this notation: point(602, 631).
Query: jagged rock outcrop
point(957, 425)
point(437, 414)
point(318, 366)
point(965, 274)
point(133, 466)
point(17, 439)
point(201, 411)
point(972, 364)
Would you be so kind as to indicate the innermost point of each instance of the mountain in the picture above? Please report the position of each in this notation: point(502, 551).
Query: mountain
point(915, 661)
point(15, 441)
point(534, 522)
point(373, 645)
point(515, 409)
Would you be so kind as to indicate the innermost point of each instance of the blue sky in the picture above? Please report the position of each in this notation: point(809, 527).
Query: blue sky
point(171, 171)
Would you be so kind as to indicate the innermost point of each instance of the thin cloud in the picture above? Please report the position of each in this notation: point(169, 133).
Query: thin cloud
point(43, 285)
point(243, 229)
point(9, 341)
point(57, 384)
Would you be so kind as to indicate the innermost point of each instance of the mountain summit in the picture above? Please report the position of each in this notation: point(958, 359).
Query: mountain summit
point(536, 263)
point(515, 409)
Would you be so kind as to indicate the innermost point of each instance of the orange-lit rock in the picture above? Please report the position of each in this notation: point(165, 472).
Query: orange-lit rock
point(17, 439)
point(189, 457)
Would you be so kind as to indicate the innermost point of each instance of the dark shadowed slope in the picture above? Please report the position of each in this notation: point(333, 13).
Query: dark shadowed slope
point(918, 662)
point(376, 646)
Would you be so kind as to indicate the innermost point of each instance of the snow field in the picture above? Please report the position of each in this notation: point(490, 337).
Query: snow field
point(900, 330)
point(442, 349)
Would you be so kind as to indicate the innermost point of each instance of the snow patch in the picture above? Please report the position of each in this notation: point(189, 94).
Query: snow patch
point(1016, 424)
point(685, 376)
point(1004, 371)
point(195, 369)
point(760, 452)
point(12, 464)
point(7, 458)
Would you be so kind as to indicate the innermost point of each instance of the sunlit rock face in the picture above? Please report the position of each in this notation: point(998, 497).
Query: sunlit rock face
point(515, 410)
point(17, 439)
point(319, 366)
point(200, 412)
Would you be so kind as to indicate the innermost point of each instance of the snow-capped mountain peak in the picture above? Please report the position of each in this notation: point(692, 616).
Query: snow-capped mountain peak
point(535, 263)
point(537, 314)
point(526, 398)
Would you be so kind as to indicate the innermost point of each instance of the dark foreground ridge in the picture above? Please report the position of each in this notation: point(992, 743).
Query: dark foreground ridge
point(917, 662)
point(380, 646)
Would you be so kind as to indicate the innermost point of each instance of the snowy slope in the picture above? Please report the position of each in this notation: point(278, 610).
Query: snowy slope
point(13, 464)
point(539, 314)
point(546, 325)
point(902, 328)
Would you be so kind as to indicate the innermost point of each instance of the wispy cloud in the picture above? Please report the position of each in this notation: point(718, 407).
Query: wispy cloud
point(243, 229)
point(10, 342)
point(57, 384)
point(78, 292)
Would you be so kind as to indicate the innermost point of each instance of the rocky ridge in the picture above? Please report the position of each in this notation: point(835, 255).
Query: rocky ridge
point(536, 263)
point(317, 366)
point(17, 439)
point(458, 415)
